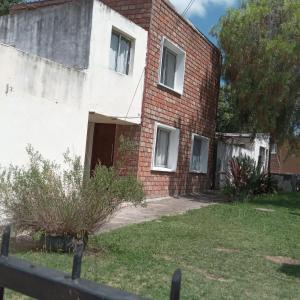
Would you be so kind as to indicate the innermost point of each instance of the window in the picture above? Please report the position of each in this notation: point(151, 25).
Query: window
point(262, 158)
point(162, 147)
point(165, 148)
point(120, 50)
point(168, 68)
point(274, 149)
point(199, 156)
point(172, 66)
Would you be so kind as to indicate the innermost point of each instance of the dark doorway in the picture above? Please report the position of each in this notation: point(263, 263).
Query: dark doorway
point(103, 145)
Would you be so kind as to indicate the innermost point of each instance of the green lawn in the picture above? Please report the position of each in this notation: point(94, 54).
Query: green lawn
point(221, 250)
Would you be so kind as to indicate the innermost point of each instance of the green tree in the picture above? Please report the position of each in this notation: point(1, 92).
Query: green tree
point(260, 42)
point(5, 5)
point(227, 119)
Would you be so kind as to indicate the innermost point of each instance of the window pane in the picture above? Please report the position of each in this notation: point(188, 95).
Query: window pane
point(124, 56)
point(196, 156)
point(114, 48)
point(168, 68)
point(162, 148)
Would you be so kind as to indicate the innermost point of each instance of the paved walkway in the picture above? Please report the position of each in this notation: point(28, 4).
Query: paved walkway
point(157, 208)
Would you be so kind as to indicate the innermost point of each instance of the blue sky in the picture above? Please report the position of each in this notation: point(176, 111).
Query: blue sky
point(205, 13)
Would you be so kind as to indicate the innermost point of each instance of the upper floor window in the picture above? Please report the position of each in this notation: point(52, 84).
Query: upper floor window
point(172, 66)
point(120, 51)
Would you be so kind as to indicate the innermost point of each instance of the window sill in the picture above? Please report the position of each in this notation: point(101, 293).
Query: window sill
point(177, 92)
point(162, 169)
point(198, 172)
point(120, 73)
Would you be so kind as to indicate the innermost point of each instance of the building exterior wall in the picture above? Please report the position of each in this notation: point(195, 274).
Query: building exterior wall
point(48, 105)
point(138, 11)
point(41, 103)
point(58, 32)
point(111, 93)
point(192, 112)
point(139, 97)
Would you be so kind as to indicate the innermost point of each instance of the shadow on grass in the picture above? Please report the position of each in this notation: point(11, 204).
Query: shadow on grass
point(291, 200)
point(290, 270)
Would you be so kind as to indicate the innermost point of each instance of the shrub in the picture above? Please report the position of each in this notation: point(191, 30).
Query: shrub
point(44, 197)
point(244, 178)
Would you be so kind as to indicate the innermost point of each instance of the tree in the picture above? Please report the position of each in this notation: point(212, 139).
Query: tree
point(6, 4)
point(260, 43)
point(227, 119)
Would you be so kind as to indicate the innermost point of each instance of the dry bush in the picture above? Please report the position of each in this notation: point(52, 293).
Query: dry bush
point(44, 197)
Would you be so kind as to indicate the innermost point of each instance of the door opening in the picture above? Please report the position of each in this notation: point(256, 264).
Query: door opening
point(103, 145)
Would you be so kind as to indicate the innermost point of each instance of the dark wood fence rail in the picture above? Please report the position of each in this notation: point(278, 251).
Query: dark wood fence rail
point(43, 283)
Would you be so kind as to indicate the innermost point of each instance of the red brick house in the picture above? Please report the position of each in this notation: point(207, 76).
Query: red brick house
point(174, 137)
point(191, 109)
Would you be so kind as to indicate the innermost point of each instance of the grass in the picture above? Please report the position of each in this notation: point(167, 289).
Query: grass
point(141, 258)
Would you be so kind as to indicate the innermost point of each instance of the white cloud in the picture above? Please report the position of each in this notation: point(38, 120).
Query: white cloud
point(199, 6)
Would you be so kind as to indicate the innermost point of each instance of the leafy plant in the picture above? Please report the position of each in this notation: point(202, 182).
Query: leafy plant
point(244, 178)
point(44, 197)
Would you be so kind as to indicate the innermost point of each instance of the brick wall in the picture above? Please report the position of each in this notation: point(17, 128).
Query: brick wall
point(126, 160)
point(138, 11)
point(192, 112)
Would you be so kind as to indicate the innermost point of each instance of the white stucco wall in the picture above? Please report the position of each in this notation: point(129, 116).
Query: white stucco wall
point(111, 93)
point(47, 105)
point(41, 103)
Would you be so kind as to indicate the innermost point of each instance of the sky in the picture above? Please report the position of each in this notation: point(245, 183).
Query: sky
point(205, 13)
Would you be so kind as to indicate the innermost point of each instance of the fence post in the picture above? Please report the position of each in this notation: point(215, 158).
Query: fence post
point(76, 270)
point(4, 250)
point(176, 285)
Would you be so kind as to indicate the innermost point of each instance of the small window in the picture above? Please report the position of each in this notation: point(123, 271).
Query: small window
point(162, 148)
point(165, 148)
point(199, 156)
point(172, 66)
point(262, 158)
point(120, 51)
point(168, 68)
point(274, 149)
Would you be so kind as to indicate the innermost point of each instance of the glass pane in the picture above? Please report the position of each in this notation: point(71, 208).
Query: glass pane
point(168, 68)
point(124, 56)
point(196, 157)
point(114, 48)
point(162, 147)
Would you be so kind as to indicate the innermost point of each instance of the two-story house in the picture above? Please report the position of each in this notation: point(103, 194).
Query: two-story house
point(78, 74)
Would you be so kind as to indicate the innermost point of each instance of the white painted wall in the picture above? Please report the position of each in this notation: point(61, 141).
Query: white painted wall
point(47, 105)
point(111, 93)
point(40, 104)
point(230, 149)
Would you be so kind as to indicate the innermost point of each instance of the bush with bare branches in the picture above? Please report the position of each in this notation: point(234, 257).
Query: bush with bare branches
point(44, 197)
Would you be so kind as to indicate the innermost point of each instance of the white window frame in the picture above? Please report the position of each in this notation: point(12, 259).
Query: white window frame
point(131, 53)
point(204, 156)
point(180, 66)
point(173, 148)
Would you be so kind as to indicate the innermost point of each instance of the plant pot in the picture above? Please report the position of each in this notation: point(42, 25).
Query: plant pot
point(61, 243)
